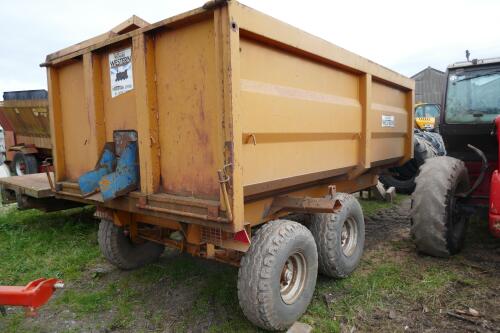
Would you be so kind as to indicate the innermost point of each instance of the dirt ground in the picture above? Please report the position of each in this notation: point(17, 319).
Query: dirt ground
point(475, 284)
point(394, 290)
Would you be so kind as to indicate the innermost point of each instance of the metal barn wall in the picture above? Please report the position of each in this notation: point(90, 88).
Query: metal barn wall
point(429, 85)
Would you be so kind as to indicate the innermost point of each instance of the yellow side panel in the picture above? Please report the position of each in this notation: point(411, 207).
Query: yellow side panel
point(388, 142)
point(75, 122)
point(190, 123)
point(299, 117)
point(119, 112)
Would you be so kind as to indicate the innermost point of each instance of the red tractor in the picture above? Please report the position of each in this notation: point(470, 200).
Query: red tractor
point(450, 189)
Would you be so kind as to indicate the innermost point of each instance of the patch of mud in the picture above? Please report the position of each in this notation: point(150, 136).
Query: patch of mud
point(386, 224)
point(388, 232)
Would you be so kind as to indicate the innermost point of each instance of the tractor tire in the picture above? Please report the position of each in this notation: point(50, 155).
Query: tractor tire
point(24, 164)
point(436, 226)
point(401, 178)
point(277, 275)
point(426, 145)
point(340, 237)
point(120, 251)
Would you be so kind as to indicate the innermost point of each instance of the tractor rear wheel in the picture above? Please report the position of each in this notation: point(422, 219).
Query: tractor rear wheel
point(120, 251)
point(437, 226)
point(278, 274)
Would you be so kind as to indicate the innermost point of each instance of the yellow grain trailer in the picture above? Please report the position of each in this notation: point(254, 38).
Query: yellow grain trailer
point(237, 121)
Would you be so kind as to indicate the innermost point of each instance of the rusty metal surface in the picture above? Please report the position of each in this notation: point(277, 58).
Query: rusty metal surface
point(211, 235)
point(304, 204)
point(28, 119)
point(122, 138)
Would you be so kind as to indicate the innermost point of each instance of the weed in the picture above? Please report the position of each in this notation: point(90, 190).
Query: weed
point(371, 206)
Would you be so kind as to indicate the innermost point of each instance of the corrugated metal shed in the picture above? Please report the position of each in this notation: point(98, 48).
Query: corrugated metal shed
point(429, 85)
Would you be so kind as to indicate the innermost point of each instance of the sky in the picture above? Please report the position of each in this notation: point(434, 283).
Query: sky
point(401, 35)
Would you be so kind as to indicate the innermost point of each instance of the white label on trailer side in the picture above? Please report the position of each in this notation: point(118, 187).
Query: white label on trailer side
point(387, 121)
point(120, 72)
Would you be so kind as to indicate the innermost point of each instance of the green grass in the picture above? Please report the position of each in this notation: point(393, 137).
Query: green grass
point(34, 244)
point(384, 287)
point(371, 206)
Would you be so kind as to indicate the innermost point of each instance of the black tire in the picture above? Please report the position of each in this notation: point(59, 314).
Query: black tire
point(262, 273)
point(334, 258)
point(437, 228)
point(119, 250)
point(426, 145)
point(24, 164)
point(402, 178)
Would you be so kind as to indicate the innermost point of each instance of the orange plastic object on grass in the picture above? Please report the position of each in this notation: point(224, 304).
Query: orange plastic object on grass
point(32, 296)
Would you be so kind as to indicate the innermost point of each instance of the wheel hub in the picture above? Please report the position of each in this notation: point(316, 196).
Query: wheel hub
point(293, 277)
point(288, 276)
point(20, 168)
point(349, 236)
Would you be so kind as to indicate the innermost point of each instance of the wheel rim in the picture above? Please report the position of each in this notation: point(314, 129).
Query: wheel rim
point(349, 236)
point(293, 277)
point(20, 168)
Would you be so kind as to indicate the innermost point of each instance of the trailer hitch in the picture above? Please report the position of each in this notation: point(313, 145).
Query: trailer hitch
point(32, 296)
point(479, 180)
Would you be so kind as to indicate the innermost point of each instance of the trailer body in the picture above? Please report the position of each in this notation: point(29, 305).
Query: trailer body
point(229, 90)
point(213, 126)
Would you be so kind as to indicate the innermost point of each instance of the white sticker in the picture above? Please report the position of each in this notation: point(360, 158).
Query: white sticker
point(120, 72)
point(387, 121)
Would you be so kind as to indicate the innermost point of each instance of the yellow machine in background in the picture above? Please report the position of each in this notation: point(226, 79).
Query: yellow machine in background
point(427, 116)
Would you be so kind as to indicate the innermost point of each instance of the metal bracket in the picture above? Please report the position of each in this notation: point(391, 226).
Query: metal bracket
point(223, 181)
point(47, 163)
point(304, 205)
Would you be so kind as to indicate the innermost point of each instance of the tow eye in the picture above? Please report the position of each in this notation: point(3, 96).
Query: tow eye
point(32, 296)
point(117, 172)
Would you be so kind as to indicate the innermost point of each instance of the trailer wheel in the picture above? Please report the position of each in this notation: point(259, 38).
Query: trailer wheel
point(340, 237)
point(119, 250)
point(277, 275)
point(437, 227)
point(24, 164)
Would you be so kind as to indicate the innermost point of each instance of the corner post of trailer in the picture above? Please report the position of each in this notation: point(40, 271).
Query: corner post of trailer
point(227, 46)
point(92, 76)
point(147, 112)
point(55, 116)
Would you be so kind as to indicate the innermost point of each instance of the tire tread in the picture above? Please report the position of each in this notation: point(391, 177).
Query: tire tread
point(122, 254)
point(435, 186)
point(254, 277)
